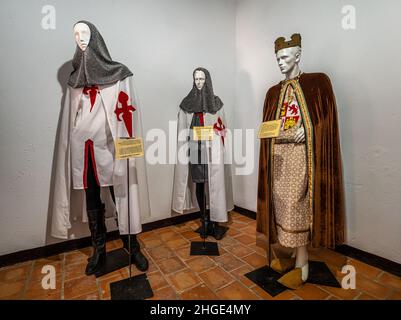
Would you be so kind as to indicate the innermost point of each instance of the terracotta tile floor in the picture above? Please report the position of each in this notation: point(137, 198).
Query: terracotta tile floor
point(174, 274)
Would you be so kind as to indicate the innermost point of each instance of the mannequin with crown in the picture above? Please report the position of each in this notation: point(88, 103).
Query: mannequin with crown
point(300, 188)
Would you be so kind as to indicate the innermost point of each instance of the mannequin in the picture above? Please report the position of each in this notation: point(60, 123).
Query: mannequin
point(100, 108)
point(82, 35)
point(288, 61)
point(203, 172)
point(300, 188)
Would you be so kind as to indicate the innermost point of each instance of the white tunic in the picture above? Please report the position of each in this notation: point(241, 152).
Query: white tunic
point(91, 133)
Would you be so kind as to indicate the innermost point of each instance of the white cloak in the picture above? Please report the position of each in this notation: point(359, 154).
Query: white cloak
point(139, 196)
point(220, 193)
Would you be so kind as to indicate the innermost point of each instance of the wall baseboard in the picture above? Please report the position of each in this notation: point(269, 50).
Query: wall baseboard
point(248, 213)
point(69, 245)
point(370, 259)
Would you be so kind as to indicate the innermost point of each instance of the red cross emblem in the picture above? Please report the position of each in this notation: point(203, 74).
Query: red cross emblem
point(220, 129)
point(126, 111)
point(92, 92)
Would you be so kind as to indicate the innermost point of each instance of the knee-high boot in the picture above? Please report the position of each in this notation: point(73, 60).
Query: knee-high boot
point(97, 227)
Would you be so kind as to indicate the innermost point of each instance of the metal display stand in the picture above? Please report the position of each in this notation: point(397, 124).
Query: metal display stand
point(132, 288)
point(204, 248)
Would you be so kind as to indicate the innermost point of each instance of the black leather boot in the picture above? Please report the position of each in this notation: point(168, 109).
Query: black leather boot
point(97, 228)
point(212, 228)
point(216, 231)
point(205, 225)
point(137, 256)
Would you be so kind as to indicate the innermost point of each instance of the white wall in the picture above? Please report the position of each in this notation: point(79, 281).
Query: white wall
point(365, 69)
point(160, 41)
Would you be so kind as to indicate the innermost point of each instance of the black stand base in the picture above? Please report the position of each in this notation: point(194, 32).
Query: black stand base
point(135, 288)
point(221, 229)
point(115, 260)
point(266, 278)
point(200, 248)
point(320, 274)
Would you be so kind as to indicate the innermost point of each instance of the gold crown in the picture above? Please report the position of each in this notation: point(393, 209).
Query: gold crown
point(280, 43)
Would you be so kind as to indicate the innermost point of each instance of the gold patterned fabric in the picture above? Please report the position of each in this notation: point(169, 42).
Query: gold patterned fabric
point(290, 177)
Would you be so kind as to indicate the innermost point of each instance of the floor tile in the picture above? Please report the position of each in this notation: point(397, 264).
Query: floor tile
point(110, 246)
point(229, 262)
point(166, 293)
point(177, 243)
point(238, 225)
point(216, 278)
point(183, 280)
point(157, 281)
point(79, 286)
point(74, 271)
point(236, 291)
point(168, 235)
point(286, 295)
point(184, 253)
point(249, 230)
point(191, 235)
point(147, 236)
point(201, 292)
point(200, 263)
point(88, 296)
point(365, 296)
point(311, 292)
point(35, 291)
point(239, 250)
point(365, 269)
point(245, 239)
point(239, 274)
point(390, 281)
point(152, 242)
point(171, 265)
point(123, 273)
point(174, 274)
point(371, 287)
point(255, 260)
point(183, 227)
point(160, 253)
point(228, 241)
point(344, 294)
point(13, 274)
point(395, 295)
point(77, 256)
point(258, 249)
point(233, 232)
point(328, 256)
point(11, 290)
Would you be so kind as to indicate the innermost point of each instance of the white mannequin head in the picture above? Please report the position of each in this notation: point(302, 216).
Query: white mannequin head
point(199, 78)
point(82, 35)
point(288, 61)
